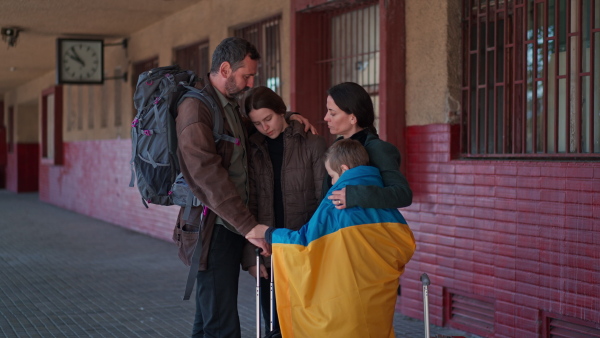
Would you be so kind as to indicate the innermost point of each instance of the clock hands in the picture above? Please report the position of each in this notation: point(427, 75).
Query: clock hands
point(74, 56)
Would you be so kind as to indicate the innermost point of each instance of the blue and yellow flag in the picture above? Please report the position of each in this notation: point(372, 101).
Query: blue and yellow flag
point(337, 276)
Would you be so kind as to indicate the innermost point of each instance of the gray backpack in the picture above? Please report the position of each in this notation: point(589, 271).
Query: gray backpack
point(154, 162)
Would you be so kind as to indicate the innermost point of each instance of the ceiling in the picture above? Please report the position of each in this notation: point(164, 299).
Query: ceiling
point(41, 21)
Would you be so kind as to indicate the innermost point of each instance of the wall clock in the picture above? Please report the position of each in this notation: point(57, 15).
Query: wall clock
point(79, 61)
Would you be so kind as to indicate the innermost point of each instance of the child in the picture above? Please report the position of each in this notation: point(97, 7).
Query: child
point(337, 276)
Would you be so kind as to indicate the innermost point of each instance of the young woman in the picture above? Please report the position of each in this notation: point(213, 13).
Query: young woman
point(286, 174)
point(350, 114)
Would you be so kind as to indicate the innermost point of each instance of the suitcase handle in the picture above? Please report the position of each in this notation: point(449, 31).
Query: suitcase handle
point(425, 280)
point(258, 250)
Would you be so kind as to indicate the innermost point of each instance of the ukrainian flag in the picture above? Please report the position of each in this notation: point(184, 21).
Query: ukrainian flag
point(337, 276)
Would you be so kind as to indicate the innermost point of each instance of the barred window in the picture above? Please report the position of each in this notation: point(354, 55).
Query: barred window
point(193, 57)
point(266, 36)
point(355, 50)
point(531, 78)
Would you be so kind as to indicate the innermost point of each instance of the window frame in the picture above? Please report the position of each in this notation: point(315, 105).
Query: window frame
point(270, 65)
point(510, 138)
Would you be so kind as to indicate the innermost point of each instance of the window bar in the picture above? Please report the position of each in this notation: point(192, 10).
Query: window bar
point(509, 70)
point(360, 28)
point(364, 39)
point(542, 27)
point(492, 13)
point(500, 81)
point(484, 17)
point(325, 52)
point(508, 49)
point(269, 37)
point(515, 59)
point(592, 68)
point(534, 83)
point(279, 61)
point(335, 47)
point(343, 50)
point(474, 79)
point(369, 80)
point(346, 48)
point(556, 72)
point(544, 59)
point(265, 36)
point(579, 90)
point(353, 47)
point(512, 69)
point(523, 59)
point(464, 140)
point(367, 41)
point(568, 81)
point(476, 85)
point(336, 52)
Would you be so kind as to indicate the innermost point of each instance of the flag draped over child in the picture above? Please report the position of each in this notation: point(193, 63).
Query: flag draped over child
point(337, 276)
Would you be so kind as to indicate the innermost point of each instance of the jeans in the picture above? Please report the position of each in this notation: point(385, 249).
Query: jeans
point(217, 287)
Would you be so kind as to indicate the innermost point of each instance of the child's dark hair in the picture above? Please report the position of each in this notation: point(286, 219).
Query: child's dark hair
point(346, 151)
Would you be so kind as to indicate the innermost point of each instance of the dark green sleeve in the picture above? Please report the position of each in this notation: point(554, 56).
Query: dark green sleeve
point(396, 192)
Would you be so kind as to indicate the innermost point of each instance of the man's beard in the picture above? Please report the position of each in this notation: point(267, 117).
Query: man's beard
point(232, 90)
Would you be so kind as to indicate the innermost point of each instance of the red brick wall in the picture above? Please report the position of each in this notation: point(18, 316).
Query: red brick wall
point(94, 181)
point(523, 234)
point(22, 168)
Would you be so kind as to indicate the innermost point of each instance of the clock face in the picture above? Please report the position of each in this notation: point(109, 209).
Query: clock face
point(80, 61)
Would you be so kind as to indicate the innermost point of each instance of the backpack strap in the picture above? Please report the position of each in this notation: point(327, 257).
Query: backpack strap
point(212, 105)
point(193, 271)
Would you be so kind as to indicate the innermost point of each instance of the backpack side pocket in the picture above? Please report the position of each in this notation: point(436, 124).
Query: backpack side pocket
point(186, 238)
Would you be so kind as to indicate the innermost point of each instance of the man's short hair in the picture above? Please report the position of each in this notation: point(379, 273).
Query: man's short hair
point(347, 151)
point(233, 50)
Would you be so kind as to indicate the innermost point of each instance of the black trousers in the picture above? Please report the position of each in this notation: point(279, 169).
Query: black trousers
point(217, 287)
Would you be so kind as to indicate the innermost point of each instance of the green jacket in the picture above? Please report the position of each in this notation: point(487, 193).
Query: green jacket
point(384, 156)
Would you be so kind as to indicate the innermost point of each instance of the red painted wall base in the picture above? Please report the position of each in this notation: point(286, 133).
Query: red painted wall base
point(522, 234)
point(94, 181)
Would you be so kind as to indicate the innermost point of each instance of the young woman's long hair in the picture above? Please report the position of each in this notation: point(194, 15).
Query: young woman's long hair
point(263, 97)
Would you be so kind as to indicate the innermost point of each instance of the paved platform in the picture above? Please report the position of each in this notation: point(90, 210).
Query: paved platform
point(63, 274)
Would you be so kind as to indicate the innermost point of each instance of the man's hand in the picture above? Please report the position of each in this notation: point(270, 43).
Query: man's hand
point(261, 243)
point(263, 271)
point(256, 236)
point(338, 198)
point(305, 122)
point(257, 232)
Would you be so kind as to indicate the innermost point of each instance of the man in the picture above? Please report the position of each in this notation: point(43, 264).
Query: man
point(217, 174)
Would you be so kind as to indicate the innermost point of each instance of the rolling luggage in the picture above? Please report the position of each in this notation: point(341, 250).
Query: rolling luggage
point(271, 292)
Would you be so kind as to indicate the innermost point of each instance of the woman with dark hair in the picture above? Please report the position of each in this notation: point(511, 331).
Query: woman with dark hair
point(286, 169)
point(350, 114)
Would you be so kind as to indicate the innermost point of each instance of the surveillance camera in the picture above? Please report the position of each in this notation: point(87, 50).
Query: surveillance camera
point(9, 34)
